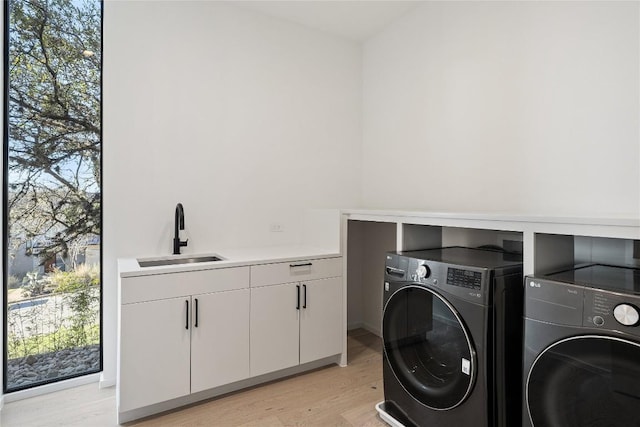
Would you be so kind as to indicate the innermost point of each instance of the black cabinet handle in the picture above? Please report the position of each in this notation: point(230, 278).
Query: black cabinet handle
point(305, 296)
point(308, 264)
point(186, 326)
point(298, 297)
point(196, 324)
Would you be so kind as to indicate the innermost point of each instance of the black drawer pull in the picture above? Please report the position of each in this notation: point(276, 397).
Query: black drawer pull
point(186, 326)
point(305, 296)
point(298, 297)
point(196, 324)
point(308, 264)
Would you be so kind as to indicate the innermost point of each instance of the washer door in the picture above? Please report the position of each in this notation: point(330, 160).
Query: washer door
point(586, 381)
point(428, 347)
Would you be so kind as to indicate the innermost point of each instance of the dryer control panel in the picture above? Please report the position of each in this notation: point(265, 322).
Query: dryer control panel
point(576, 305)
point(611, 310)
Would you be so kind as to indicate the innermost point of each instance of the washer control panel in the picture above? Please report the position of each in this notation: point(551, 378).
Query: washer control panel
point(604, 309)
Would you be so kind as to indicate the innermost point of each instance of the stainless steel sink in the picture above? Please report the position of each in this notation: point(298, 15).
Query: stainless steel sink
point(157, 262)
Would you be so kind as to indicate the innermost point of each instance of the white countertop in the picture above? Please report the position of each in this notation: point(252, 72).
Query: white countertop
point(128, 267)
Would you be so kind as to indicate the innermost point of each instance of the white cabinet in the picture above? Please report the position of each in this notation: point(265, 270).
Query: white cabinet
point(321, 319)
point(154, 353)
point(219, 339)
point(174, 345)
point(274, 328)
point(296, 322)
point(189, 335)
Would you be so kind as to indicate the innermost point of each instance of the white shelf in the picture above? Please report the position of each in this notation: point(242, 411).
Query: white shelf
point(411, 216)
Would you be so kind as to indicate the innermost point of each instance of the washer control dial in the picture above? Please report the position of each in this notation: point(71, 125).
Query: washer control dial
point(423, 271)
point(626, 314)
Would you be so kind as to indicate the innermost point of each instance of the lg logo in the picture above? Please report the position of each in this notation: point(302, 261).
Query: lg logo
point(534, 284)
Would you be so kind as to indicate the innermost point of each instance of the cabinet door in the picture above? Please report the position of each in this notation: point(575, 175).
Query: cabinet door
point(154, 352)
point(321, 319)
point(274, 328)
point(219, 339)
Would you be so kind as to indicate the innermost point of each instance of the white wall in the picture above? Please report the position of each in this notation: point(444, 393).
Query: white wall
point(246, 120)
point(520, 107)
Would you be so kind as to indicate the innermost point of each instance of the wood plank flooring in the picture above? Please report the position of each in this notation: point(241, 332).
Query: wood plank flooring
point(330, 396)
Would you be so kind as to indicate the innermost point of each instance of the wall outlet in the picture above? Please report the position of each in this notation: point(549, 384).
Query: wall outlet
point(276, 227)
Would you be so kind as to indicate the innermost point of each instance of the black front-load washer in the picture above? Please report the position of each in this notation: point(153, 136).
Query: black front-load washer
point(452, 332)
point(582, 348)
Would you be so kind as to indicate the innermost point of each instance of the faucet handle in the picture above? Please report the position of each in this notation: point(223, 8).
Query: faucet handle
point(184, 243)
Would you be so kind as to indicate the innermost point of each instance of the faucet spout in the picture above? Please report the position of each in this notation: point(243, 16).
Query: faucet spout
point(179, 225)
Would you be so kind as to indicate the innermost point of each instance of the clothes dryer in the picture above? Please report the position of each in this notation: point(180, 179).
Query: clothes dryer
point(452, 331)
point(582, 348)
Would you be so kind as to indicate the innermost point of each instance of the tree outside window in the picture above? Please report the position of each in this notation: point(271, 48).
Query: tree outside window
point(53, 190)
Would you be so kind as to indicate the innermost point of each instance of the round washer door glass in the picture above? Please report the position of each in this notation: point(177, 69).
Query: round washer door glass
point(428, 348)
point(586, 381)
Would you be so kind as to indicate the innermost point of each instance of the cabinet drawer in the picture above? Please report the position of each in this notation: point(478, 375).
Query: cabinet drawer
point(171, 285)
point(295, 271)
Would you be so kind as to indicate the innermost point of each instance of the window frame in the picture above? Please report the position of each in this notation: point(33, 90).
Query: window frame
point(5, 216)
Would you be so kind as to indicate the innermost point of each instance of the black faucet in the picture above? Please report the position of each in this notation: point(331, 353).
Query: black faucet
point(177, 243)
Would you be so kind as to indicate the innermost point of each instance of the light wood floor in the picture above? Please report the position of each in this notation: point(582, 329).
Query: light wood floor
point(330, 396)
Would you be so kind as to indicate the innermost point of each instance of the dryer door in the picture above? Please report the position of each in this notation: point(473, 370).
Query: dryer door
point(585, 381)
point(428, 347)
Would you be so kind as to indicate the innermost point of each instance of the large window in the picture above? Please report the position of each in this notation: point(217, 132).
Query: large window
point(52, 195)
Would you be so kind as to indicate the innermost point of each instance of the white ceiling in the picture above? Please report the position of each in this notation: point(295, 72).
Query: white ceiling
point(356, 20)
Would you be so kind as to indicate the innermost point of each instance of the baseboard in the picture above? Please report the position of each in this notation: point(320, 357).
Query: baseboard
point(373, 329)
point(106, 383)
point(366, 326)
point(355, 325)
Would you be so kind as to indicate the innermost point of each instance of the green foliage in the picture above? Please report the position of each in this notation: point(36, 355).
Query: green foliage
point(81, 289)
point(79, 279)
point(67, 318)
point(46, 343)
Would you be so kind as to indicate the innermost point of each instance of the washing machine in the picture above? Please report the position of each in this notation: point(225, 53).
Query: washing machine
point(582, 348)
point(452, 332)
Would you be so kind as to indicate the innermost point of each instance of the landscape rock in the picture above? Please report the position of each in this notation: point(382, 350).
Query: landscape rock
point(46, 367)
